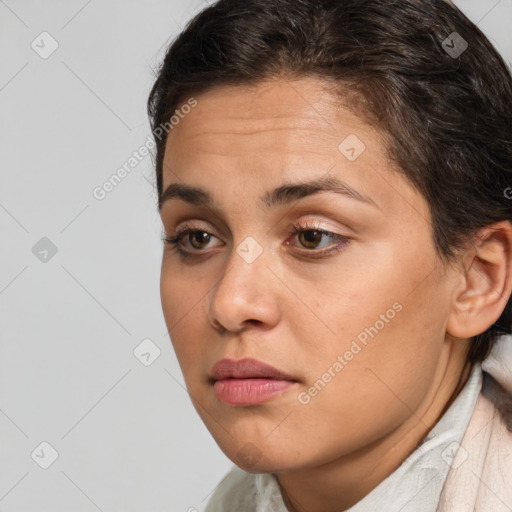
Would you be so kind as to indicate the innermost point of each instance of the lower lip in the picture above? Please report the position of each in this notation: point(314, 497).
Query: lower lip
point(249, 391)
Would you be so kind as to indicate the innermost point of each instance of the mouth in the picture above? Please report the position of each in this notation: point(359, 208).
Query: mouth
point(248, 381)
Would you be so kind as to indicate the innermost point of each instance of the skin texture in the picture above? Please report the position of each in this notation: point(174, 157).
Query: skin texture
point(299, 313)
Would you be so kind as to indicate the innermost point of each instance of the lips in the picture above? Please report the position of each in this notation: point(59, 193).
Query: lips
point(247, 369)
point(248, 382)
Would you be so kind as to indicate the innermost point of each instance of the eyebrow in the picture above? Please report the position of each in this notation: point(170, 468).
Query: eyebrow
point(281, 195)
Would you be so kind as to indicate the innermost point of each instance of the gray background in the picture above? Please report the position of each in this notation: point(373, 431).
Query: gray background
point(126, 435)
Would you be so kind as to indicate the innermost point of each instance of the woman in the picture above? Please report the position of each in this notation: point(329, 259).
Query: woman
point(334, 183)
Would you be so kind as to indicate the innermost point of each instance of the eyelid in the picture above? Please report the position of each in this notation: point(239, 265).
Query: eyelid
point(294, 227)
point(331, 214)
point(191, 227)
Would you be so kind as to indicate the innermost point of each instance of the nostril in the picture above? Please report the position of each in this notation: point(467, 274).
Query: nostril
point(218, 326)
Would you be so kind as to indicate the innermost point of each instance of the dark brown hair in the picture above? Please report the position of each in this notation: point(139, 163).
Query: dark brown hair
point(444, 108)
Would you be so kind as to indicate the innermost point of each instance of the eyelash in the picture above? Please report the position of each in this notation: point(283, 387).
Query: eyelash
point(294, 230)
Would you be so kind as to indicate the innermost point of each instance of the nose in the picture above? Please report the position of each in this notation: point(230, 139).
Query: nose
point(246, 294)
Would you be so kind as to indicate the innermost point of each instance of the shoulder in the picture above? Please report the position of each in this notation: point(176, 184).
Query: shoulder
point(480, 475)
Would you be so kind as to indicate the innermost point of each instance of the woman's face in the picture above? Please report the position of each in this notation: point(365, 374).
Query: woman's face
point(352, 319)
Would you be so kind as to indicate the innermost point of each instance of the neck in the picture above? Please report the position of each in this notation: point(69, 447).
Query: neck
point(343, 482)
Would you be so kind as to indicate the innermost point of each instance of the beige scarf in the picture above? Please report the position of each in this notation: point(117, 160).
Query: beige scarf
point(480, 477)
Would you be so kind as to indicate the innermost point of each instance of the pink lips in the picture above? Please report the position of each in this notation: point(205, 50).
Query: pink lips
point(248, 381)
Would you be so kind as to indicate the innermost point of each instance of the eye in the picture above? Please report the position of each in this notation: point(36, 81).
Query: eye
point(311, 236)
point(197, 237)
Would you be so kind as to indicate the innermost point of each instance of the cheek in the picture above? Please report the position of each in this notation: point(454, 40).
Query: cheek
point(184, 314)
point(377, 389)
point(363, 296)
point(377, 345)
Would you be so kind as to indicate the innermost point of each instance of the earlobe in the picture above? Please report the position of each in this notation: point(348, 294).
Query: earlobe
point(486, 282)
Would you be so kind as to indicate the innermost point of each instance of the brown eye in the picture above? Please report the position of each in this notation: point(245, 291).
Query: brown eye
point(318, 242)
point(310, 238)
point(197, 238)
point(191, 241)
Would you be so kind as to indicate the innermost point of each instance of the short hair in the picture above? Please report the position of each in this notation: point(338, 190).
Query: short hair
point(419, 70)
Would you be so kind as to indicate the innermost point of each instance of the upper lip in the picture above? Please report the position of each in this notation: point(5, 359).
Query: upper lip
point(246, 369)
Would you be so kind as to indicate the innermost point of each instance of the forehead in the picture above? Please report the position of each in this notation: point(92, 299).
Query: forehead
point(279, 131)
point(300, 113)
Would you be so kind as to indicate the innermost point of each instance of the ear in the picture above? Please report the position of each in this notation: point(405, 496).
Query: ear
point(486, 282)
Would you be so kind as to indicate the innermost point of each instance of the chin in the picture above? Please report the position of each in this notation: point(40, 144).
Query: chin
point(253, 458)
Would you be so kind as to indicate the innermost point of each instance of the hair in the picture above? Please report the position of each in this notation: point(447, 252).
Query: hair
point(445, 115)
